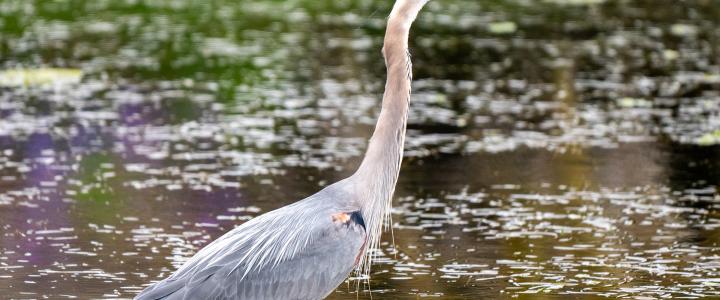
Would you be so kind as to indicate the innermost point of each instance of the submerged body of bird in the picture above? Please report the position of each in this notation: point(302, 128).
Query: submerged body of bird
point(306, 249)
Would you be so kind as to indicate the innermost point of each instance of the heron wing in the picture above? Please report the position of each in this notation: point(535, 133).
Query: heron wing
point(296, 252)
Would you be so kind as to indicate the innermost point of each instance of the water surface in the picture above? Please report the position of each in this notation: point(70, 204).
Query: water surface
point(555, 149)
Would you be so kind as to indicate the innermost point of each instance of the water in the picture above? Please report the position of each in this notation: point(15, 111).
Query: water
point(555, 148)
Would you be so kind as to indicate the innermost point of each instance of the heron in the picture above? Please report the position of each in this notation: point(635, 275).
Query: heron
point(306, 249)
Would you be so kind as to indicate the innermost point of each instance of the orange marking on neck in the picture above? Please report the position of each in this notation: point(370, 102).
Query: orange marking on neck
point(341, 217)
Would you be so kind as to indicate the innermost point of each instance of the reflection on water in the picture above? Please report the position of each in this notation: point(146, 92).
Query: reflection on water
point(554, 148)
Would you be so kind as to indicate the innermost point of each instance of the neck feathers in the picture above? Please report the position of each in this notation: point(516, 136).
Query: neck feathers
point(382, 159)
point(377, 175)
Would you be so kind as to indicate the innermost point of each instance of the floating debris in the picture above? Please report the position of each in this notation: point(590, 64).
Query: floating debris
point(502, 27)
point(39, 77)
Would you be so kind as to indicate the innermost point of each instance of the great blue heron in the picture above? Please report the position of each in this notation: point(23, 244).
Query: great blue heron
point(306, 249)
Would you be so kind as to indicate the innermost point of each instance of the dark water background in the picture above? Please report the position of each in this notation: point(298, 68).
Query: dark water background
point(556, 149)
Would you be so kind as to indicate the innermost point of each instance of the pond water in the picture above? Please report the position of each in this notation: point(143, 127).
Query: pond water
point(556, 149)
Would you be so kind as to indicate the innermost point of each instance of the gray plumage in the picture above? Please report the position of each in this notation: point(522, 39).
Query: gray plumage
point(306, 255)
point(306, 249)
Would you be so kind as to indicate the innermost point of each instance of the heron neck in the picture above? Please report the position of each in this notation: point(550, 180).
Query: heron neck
point(379, 170)
point(377, 175)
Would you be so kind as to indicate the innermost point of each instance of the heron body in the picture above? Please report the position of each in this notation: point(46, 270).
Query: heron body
point(306, 249)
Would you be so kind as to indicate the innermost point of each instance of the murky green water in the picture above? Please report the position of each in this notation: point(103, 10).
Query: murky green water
point(556, 149)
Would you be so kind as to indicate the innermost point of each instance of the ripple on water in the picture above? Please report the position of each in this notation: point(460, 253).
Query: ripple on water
point(573, 242)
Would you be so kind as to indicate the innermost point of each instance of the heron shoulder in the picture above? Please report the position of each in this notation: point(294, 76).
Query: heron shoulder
point(269, 251)
point(276, 236)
